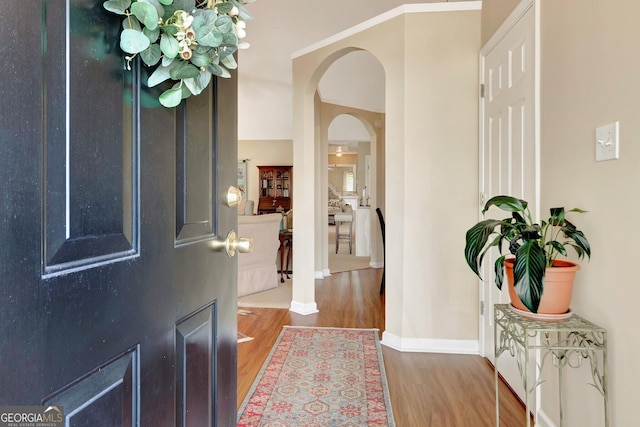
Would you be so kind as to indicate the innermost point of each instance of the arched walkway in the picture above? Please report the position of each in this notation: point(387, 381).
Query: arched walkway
point(312, 160)
point(328, 112)
point(430, 170)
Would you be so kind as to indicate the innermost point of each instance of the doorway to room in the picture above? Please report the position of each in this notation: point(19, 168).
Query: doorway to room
point(351, 113)
point(349, 237)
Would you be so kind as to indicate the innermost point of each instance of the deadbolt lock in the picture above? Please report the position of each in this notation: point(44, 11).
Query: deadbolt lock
point(233, 197)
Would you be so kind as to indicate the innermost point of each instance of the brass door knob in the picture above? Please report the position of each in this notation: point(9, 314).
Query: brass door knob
point(233, 244)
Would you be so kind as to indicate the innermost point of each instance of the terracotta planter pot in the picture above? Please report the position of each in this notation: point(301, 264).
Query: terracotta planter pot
point(558, 287)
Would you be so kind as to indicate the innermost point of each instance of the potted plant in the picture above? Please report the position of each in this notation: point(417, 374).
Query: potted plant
point(534, 247)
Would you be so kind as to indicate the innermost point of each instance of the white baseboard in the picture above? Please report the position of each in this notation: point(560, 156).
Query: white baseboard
point(428, 345)
point(376, 264)
point(318, 275)
point(304, 309)
point(326, 272)
point(543, 420)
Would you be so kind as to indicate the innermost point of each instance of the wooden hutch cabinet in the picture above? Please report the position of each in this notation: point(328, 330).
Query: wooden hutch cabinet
point(274, 188)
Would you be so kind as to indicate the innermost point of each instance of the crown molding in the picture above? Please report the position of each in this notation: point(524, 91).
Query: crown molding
point(393, 13)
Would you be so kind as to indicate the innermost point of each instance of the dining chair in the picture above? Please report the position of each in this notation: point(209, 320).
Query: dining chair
point(345, 219)
point(384, 261)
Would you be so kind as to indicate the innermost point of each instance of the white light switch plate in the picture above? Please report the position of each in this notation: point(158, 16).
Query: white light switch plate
point(608, 142)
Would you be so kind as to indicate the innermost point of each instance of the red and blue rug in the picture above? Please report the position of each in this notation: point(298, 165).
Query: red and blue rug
point(314, 377)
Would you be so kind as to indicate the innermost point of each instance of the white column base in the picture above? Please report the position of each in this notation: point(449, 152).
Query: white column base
point(304, 309)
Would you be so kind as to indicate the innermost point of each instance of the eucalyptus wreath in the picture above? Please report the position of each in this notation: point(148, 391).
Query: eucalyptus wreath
point(189, 40)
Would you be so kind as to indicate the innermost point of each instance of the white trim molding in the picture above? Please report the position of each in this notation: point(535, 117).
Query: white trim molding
point(543, 420)
point(393, 13)
point(304, 309)
point(429, 345)
point(513, 18)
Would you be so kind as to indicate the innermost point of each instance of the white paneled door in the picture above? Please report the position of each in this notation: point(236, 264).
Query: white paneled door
point(508, 148)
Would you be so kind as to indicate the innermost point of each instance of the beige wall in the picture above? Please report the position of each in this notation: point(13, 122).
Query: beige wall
point(263, 153)
point(336, 176)
point(589, 77)
point(494, 12)
point(345, 159)
point(431, 67)
point(440, 171)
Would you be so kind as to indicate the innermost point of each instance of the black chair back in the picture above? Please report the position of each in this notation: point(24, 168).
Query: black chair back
point(381, 218)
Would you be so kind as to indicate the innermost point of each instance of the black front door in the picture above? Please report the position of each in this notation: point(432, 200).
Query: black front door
point(113, 304)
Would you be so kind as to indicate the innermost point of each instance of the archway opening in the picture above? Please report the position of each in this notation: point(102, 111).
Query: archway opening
point(350, 104)
point(348, 182)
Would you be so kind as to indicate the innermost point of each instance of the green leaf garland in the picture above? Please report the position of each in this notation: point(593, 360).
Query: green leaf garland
point(187, 41)
point(133, 41)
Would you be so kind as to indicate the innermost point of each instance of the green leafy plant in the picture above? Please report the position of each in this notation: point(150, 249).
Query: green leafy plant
point(189, 40)
point(535, 246)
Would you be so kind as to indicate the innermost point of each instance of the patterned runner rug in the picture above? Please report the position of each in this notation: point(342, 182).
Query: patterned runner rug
point(331, 377)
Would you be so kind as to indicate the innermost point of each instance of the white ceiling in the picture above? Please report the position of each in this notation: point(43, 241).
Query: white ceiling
point(282, 27)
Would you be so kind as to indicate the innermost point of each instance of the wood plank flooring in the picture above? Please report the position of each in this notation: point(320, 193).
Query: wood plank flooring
point(426, 389)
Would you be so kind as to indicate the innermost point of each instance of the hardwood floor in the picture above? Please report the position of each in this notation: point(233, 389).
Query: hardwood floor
point(426, 389)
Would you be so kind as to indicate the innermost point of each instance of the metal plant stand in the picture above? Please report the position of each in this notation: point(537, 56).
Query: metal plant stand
point(566, 342)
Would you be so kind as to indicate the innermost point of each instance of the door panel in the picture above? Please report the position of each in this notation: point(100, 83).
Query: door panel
point(194, 338)
point(104, 397)
point(508, 155)
point(112, 302)
point(193, 170)
point(86, 224)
